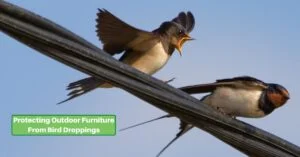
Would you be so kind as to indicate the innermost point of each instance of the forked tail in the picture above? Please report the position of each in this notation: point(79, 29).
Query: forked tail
point(145, 122)
point(82, 86)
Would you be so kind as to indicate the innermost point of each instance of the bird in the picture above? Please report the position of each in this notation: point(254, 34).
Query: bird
point(242, 96)
point(146, 51)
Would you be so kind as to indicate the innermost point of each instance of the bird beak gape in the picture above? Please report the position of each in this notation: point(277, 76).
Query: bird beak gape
point(181, 41)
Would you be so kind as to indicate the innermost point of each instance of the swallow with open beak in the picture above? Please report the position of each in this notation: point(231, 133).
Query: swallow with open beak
point(237, 97)
point(145, 51)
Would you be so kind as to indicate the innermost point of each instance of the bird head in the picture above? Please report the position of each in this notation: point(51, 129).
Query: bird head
point(179, 37)
point(277, 95)
point(177, 31)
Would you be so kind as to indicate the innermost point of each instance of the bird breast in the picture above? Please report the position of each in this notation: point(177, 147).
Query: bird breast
point(149, 61)
point(236, 102)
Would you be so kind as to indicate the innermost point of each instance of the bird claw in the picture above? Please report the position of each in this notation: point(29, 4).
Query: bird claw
point(168, 81)
point(221, 110)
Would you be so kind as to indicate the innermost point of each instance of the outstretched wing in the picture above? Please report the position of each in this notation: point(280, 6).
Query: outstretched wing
point(236, 82)
point(186, 20)
point(116, 35)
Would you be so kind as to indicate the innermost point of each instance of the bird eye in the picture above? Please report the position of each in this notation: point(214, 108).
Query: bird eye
point(180, 31)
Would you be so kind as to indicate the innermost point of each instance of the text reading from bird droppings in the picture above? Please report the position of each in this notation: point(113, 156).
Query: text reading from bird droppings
point(63, 125)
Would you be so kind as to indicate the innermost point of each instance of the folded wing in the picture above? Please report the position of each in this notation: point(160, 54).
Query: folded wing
point(236, 82)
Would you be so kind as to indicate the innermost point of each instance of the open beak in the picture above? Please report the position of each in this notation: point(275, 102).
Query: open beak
point(182, 41)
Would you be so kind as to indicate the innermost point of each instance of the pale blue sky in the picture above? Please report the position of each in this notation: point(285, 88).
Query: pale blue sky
point(234, 37)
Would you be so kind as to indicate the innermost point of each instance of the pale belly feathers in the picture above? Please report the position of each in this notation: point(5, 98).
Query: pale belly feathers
point(236, 102)
point(149, 62)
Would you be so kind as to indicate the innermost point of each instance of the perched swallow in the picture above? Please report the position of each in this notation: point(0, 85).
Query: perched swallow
point(237, 97)
point(145, 51)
